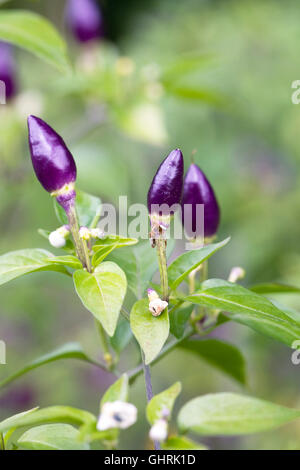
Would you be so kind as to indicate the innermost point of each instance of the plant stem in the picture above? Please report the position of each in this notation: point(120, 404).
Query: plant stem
point(162, 263)
point(105, 346)
point(74, 227)
point(2, 444)
point(149, 390)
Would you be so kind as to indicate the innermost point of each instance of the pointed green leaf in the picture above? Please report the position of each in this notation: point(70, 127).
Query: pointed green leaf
point(52, 437)
point(88, 208)
point(274, 288)
point(105, 246)
point(53, 414)
point(163, 402)
point(232, 414)
point(21, 262)
point(187, 262)
point(182, 443)
point(117, 391)
point(248, 308)
point(140, 263)
point(69, 261)
point(151, 332)
point(68, 351)
point(102, 293)
point(35, 34)
point(178, 320)
point(222, 355)
point(122, 336)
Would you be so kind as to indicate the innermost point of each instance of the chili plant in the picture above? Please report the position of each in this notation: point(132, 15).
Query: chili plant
point(178, 313)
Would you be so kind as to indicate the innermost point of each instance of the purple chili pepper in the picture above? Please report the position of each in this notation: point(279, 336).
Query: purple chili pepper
point(166, 186)
point(197, 190)
point(85, 20)
point(8, 70)
point(52, 161)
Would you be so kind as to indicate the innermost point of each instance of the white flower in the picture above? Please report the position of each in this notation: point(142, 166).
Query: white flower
point(84, 233)
point(157, 306)
point(58, 237)
point(236, 274)
point(117, 414)
point(96, 233)
point(159, 430)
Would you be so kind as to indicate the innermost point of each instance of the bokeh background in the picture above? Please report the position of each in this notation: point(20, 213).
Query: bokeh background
point(207, 76)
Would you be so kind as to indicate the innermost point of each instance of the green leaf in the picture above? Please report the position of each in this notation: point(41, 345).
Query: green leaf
point(161, 402)
point(122, 336)
point(68, 351)
point(52, 437)
point(248, 308)
point(182, 443)
point(194, 95)
point(274, 288)
point(35, 34)
point(151, 332)
point(117, 391)
point(21, 262)
point(88, 209)
point(102, 293)
point(187, 262)
point(232, 414)
point(53, 414)
point(104, 247)
point(69, 261)
point(140, 263)
point(178, 320)
point(223, 356)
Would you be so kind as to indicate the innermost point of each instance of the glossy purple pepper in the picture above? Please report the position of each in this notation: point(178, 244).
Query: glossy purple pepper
point(52, 161)
point(166, 186)
point(197, 190)
point(84, 19)
point(8, 70)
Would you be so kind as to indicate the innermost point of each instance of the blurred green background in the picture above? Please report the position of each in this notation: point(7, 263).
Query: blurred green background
point(212, 76)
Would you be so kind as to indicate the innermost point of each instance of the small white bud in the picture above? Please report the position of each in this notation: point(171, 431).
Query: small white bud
point(56, 239)
point(236, 274)
point(117, 414)
point(159, 430)
point(152, 294)
point(97, 233)
point(157, 306)
point(84, 233)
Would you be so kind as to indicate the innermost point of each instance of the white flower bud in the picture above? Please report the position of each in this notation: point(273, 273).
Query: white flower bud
point(84, 233)
point(159, 430)
point(152, 294)
point(236, 274)
point(97, 233)
point(56, 239)
point(117, 414)
point(157, 306)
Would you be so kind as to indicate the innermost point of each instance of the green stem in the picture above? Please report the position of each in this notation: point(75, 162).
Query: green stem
point(105, 345)
point(162, 263)
point(74, 227)
point(87, 256)
point(2, 444)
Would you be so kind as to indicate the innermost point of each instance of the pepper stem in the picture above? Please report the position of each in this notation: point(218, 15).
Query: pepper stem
point(149, 391)
point(161, 245)
point(79, 246)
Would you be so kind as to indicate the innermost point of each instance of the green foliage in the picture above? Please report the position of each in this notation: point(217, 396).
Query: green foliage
point(151, 332)
point(186, 263)
point(163, 403)
point(53, 414)
point(102, 293)
point(88, 209)
point(140, 263)
point(68, 261)
point(122, 336)
point(18, 263)
point(35, 34)
point(219, 354)
point(118, 391)
point(232, 414)
point(182, 443)
point(248, 308)
point(179, 318)
point(274, 288)
point(52, 437)
point(104, 247)
point(68, 351)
